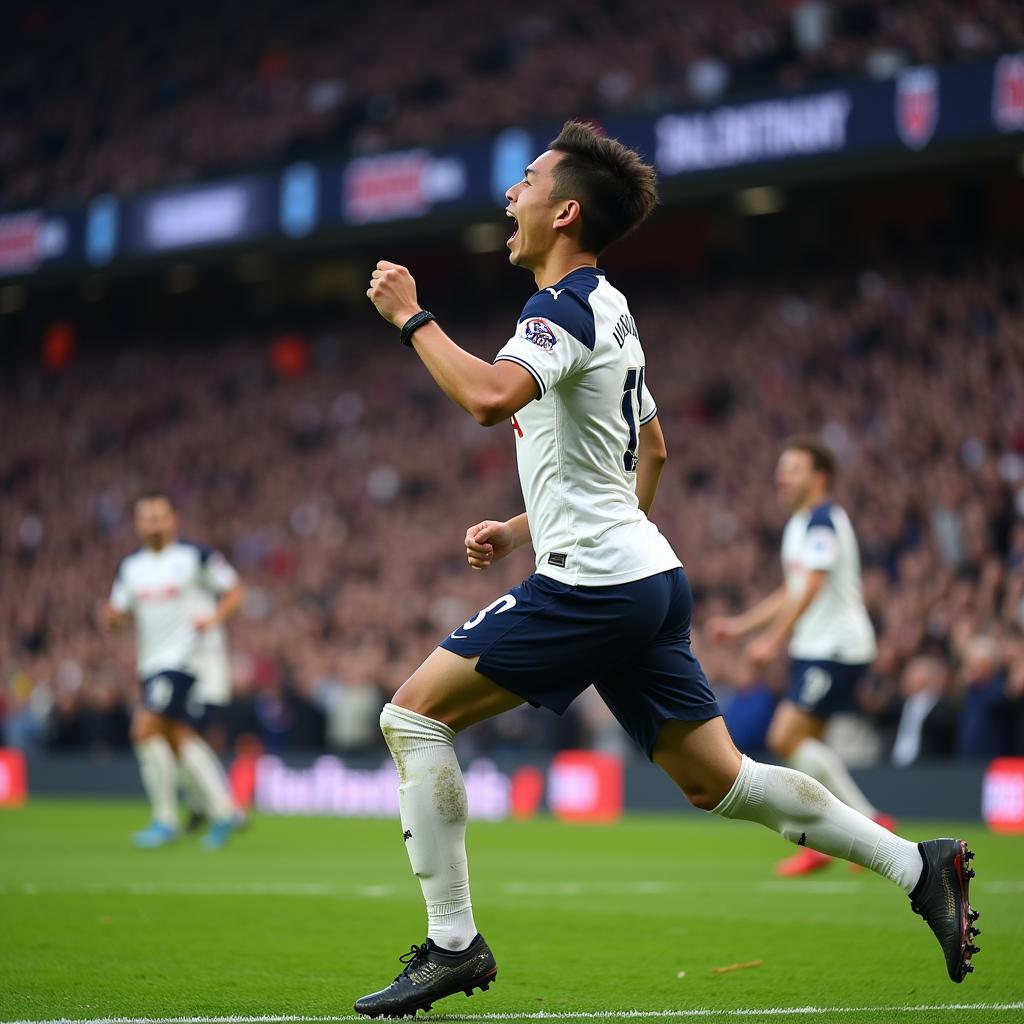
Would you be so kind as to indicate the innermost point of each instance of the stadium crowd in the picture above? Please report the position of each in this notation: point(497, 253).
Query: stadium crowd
point(115, 96)
point(341, 490)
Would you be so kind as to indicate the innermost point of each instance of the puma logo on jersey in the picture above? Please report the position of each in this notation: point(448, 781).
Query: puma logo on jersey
point(555, 292)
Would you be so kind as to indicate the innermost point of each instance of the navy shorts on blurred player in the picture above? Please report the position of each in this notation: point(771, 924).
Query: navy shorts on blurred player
point(548, 641)
point(824, 688)
point(170, 693)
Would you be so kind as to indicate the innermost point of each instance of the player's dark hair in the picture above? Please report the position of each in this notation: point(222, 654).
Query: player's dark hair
point(154, 495)
point(823, 459)
point(616, 190)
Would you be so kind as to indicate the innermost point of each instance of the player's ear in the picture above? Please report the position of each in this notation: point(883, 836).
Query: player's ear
point(567, 212)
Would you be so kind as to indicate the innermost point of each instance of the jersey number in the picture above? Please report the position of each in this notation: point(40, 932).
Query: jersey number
point(632, 409)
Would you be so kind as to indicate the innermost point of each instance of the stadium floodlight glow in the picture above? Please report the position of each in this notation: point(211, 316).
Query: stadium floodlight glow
point(486, 237)
point(755, 202)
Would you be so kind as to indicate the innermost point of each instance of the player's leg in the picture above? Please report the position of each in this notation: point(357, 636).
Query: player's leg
point(796, 733)
point(489, 665)
point(934, 874)
point(158, 770)
point(201, 766)
point(701, 759)
point(443, 696)
point(665, 703)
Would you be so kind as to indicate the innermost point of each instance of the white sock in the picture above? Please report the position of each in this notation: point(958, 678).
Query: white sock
point(203, 767)
point(807, 814)
point(192, 795)
point(432, 800)
point(159, 778)
point(821, 762)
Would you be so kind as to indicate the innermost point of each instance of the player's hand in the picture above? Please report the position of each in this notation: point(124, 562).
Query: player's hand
point(201, 623)
point(111, 618)
point(721, 628)
point(393, 292)
point(762, 651)
point(487, 542)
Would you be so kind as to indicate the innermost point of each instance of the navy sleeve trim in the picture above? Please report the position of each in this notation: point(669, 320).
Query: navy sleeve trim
point(650, 416)
point(527, 366)
point(203, 551)
point(821, 516)
point(568, 308)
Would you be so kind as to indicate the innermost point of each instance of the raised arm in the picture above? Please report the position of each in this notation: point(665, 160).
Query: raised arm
point(489, 392)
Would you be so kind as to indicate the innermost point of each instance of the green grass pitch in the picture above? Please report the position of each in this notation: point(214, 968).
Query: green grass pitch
point(301, 916)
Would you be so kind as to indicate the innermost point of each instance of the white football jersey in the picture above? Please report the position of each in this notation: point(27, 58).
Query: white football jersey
point(165, 591)
point(835, 626)
point(577, 444)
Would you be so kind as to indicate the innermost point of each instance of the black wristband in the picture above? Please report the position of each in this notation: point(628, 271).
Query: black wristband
point(414, 323)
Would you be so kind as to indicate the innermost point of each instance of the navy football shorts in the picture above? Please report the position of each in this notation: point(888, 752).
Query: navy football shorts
point(824, 688)
point(548, 641)
point(170, 693)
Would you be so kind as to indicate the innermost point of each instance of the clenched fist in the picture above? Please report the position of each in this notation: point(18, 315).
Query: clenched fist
point(393, 291)
point(487, 542)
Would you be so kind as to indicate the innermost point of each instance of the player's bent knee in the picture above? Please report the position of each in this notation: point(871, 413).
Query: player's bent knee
point(145, 726)
point(702, 799)
point(402, 726)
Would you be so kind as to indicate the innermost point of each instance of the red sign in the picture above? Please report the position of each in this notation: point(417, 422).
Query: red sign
point(1008, 93)
point(1002, 795)
point(13, 777)
point(19, 242)
point(584, 786)
point(384, 187)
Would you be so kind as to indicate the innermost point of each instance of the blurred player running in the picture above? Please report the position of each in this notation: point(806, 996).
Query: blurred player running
point(609, 603)
point(180, 596)
point(820, 611)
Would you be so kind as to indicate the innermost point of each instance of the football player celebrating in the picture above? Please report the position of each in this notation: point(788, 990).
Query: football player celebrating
point(609, 603)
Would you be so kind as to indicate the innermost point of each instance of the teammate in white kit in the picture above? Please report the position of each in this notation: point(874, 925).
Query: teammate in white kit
point(819, 610)
point(180, 595)
point(609, 603)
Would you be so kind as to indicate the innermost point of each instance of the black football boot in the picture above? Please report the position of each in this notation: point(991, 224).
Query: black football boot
point(432, 973)
point(941, 897)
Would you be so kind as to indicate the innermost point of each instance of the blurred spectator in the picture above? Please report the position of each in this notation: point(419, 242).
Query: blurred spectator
point(982, 730)
point(927, 723)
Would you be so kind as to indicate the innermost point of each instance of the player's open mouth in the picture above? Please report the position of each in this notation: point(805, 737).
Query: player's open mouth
point(509, 213)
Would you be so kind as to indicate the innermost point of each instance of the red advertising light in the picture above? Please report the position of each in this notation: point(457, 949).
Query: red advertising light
point(584, 786)
point(1002, 795)
point(13, 778)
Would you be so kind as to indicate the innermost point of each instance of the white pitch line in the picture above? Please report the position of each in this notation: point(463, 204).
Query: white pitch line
point(383, 891)
point(700, 1013)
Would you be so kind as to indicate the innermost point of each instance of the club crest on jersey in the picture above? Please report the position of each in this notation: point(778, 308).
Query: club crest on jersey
point(539, 333)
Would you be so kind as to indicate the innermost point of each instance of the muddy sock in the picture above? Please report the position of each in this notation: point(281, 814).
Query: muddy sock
point(806, 813)
point(432, 801)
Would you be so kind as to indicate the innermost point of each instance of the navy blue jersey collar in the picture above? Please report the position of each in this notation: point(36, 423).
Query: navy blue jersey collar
point(581, 272)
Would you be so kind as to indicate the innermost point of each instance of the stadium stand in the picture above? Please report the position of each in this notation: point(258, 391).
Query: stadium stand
point(178, 91)
point(341, 489)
